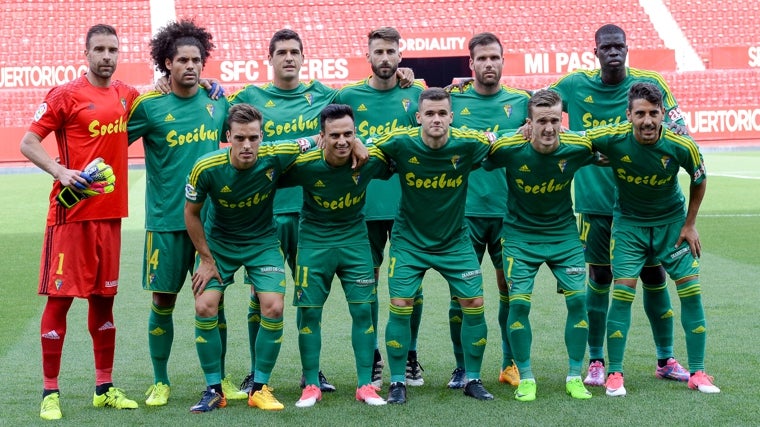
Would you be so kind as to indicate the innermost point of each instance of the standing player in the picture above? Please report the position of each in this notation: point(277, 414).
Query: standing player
point(599, 97)
point(291, 108)
point(652, 218)
point(381, 106)
point(80, 257)
point(334, 195)
point(176, 129)
point(238, 183)
point(434, 163)
point(486, 105)
point(539, 227)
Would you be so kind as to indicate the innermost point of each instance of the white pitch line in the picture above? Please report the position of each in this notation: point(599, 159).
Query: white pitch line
point(729, 175)
point(730, 215)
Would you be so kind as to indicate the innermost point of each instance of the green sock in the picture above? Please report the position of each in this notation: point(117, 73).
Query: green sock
point(659, 310)
point(222, 334)
point(475, 336)
point(397, 337)
point(209, 347)
point(160, 338)
point(268, 343)
point(520, 334)
point(597, 304)
point(576, 330)
point(416, 320)
point(310, 341)
point(506, 349)
point(362, 337)
point(374, 308)
point(455, 329)
point(693, 322)
point(618, 324)
point(254, 323)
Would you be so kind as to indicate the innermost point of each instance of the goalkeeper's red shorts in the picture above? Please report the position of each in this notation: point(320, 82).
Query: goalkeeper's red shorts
point(81, 259)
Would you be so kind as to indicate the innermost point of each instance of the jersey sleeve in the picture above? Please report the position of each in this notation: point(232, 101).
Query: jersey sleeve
point(693, 162)
point(138, 124)
point(242, 96)
point(380, 167)
point(498, 154)
point(563, 87)
point(51, 114)
point(601, 137)
point(195, 189)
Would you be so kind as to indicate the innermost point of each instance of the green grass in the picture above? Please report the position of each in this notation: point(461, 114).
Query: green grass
point(728, 224)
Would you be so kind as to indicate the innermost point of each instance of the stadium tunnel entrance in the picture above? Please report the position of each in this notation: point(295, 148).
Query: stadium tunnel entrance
point(438, 71)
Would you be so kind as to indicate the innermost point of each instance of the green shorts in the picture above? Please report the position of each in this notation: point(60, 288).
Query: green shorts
point(316, 267)
point(633, 246)
point(565, 259)
point(458, 265)
point(485, 233)
point(595, 231)
point(379, 232)
point(262, 263)
point(167, 259)
point(595, 236)
point(287, 232)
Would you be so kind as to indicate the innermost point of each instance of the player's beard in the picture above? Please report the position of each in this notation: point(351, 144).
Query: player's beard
point(488, 82)
point(103, 73)
point(384, 73)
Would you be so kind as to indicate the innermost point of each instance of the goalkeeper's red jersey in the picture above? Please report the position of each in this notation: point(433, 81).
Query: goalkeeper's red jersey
point(88, 122)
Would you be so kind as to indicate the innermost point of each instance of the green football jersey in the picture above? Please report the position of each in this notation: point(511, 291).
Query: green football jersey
point(647, 175)
point(540, 205)
point(333, 198)
point(433, 186)
point(288, 114)
point(506, 109)
point(240, 201)
point(376, 113)
point(176, 132)
point(589, 103)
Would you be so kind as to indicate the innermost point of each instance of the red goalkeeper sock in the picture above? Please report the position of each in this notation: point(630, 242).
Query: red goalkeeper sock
point(103, 333)
point(52, 334)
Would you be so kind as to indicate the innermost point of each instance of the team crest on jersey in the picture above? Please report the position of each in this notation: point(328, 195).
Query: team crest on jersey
point(309, 97)
point(356, 176)
point(562, 165)
point(508, 110)
point(270, 174)
point(455, 160)
point(210, 108)
point(40, 111)
point(58, 283)
point(406, 102)
point(665, 160)
point(124, 103)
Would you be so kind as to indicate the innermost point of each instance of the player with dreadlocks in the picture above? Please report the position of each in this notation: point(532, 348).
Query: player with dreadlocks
point(176, 129)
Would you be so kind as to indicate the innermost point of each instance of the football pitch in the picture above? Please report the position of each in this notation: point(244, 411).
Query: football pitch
point(729, 225)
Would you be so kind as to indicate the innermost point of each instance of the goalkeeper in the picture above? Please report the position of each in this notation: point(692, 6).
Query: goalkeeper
point(82, 244)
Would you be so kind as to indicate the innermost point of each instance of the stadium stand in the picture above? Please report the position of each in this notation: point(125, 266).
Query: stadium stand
point(709, 24)
point(338, 28)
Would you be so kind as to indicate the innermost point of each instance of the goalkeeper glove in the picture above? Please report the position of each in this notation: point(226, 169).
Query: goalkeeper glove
point(100, 177)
